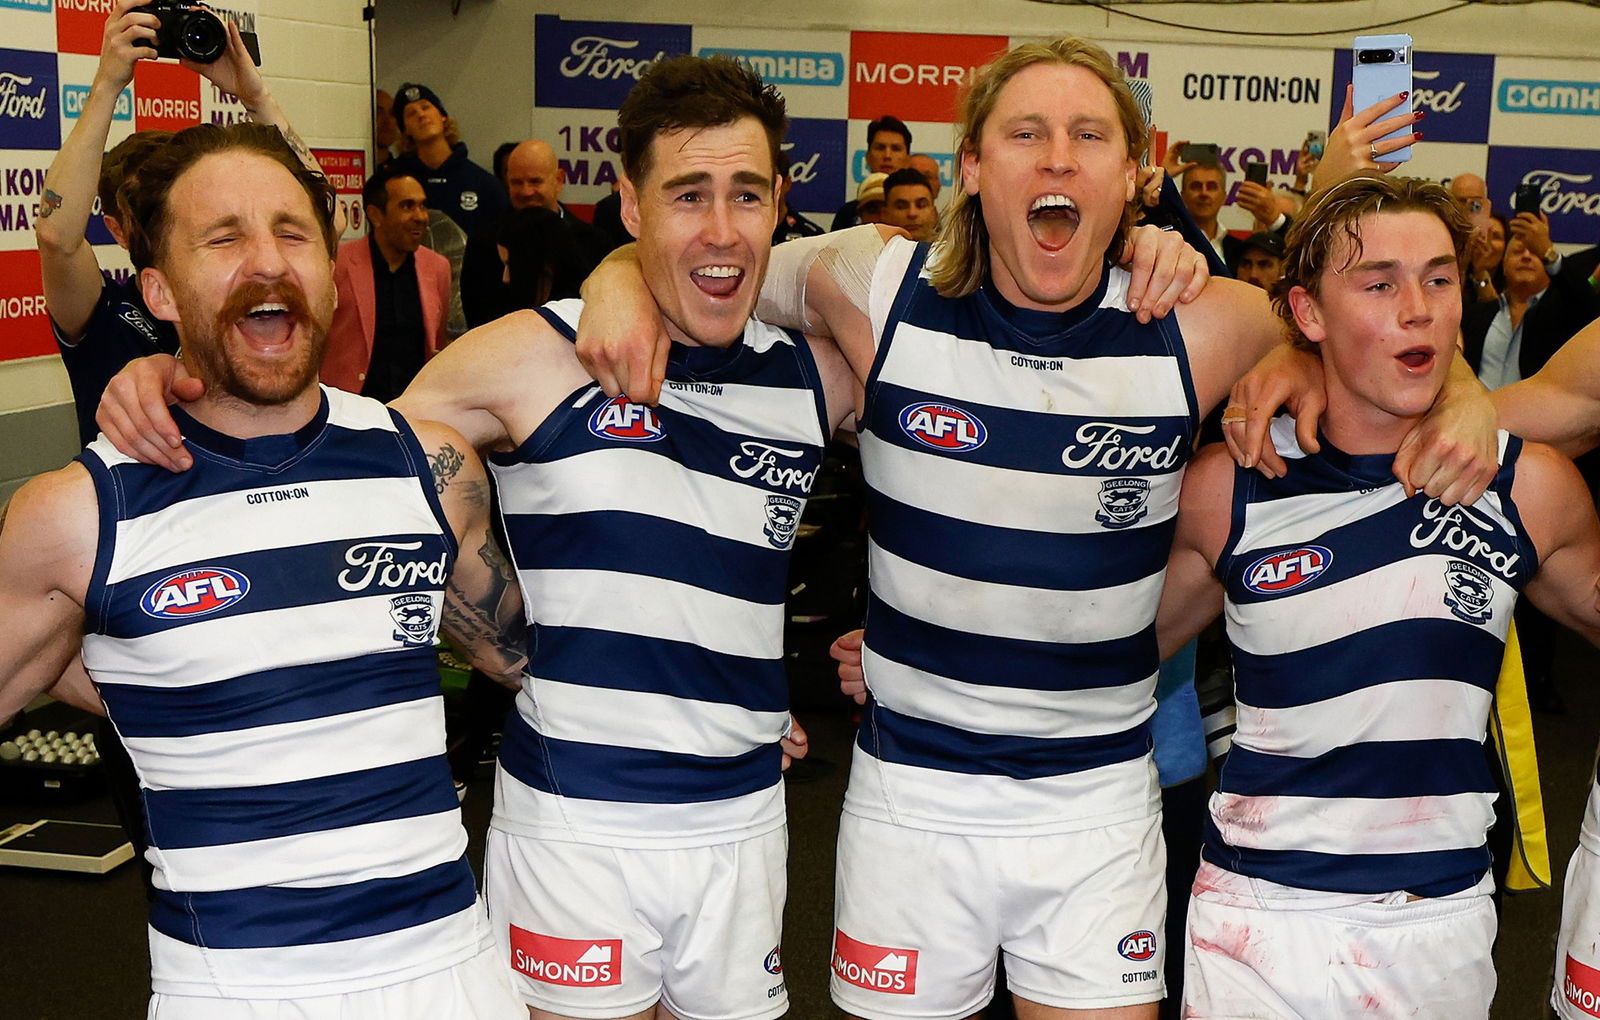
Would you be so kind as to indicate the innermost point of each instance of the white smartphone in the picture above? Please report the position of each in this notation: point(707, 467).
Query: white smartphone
point(1383, 69)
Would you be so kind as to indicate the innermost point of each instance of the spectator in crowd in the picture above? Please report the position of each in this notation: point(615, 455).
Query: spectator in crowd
point(1260, 260)
point(608, 220)
point(792, 223)
point(501, 152)
point(908, 204)
point(385, 132)
point(869, 199)
point(1473, 194)
point(431, 150)
point(540, 257)
point(1204, 187)
point(394, 294)
point(534, 180)
point(1486, 254)
point(928, 167)
point(888, 148)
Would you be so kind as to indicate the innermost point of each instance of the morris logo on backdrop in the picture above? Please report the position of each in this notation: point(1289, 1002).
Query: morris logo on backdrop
point(1454, 89)
point(914, 76)
point(593, 64)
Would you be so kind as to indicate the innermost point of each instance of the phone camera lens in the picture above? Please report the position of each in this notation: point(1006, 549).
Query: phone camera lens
point(1375, 57)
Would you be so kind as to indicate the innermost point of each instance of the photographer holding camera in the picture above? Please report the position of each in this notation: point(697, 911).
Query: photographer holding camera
point(100, 324)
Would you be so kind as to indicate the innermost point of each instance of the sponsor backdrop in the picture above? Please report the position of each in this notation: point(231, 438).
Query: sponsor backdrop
point(1509, 119)
point(50, 52)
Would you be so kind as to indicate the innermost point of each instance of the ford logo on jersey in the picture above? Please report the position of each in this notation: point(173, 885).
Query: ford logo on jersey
point(620, 418)
point(1287, 570)
point(194, 593)
point(1139, 945)
point(943, 427)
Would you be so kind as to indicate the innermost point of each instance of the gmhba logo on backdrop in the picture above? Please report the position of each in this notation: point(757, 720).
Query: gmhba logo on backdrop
point(593, 64)
point(30, 114)
point(787, 67)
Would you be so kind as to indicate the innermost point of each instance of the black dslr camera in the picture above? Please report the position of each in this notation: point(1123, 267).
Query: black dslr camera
point(191, 31)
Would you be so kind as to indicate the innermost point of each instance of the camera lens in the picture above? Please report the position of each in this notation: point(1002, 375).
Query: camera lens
point(1375, 57)
point(202, 37)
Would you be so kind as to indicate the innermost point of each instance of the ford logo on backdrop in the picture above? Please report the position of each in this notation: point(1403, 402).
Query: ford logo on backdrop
point(593, 64)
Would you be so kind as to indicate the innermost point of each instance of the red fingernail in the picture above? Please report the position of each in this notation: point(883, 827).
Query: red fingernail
point(1419, 115)
point(1405, 94)
point(1418, 135)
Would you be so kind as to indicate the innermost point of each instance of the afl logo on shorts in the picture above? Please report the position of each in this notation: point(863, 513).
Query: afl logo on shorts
point(194, 593)
point(1287, 570)
point(1140, 945)
point(620, 418)
point(774, 962)
point(943, 427)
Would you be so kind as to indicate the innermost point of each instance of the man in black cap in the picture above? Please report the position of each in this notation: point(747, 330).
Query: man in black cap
point(1261, 260)
point(431, 150)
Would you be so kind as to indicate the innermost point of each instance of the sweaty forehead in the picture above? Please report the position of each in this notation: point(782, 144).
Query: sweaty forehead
point(723, 149)
point(234, 182)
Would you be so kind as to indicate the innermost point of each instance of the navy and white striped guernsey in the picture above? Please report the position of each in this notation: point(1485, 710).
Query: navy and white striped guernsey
point(261, 629)
point(1024, 470)
point(652, 547)
point(1368, 630)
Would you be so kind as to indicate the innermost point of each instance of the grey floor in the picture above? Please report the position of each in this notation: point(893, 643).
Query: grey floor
point(73, 948)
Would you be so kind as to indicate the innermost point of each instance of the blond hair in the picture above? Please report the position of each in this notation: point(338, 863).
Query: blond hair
point(962, 262)
point(452, 135)
point(1337, 212)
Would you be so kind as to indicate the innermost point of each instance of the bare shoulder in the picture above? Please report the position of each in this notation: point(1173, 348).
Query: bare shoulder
point(1209, 477)
point(497, 382)
point(1546, 480)
point(1226, 330)
point(50, 528)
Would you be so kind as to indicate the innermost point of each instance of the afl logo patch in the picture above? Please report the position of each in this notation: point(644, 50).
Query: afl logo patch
point(620, 418)
point(1139, 945)
point(943, 427)
point(194, 593)
point(1468, 592)
point(1287, 570)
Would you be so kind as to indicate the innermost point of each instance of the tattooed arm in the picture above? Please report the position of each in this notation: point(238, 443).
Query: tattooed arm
point(66, 260)
point(482, 604)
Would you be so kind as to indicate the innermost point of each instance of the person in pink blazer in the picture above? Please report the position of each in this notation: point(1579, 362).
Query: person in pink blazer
point(394, 294)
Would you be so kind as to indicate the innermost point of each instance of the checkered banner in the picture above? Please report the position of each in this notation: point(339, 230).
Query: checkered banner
point(1508, 119)
point(49, 50)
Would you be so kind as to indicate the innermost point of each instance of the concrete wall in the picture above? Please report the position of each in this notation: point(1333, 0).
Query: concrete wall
point(480, 61)
point(315, 59)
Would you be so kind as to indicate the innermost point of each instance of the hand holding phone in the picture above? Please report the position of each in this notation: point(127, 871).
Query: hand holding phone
point(1200, 152)
point(1315, 143)
point(1383, 69)
point(1256, 173)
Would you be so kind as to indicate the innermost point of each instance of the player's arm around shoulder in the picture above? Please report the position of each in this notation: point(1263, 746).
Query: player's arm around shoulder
point(1559, 515)
point(496, 383)
point(48, 534)
point(482, 603)
point(1561, 402)
point(1191, 596)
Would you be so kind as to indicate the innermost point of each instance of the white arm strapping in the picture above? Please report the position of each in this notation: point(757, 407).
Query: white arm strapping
point(847, 256)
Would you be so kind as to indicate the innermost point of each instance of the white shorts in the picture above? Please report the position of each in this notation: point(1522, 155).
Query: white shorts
point(476, 989)
point(597, 932)
point(1576, 995)
point(1385, 957)
point(921, 916)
